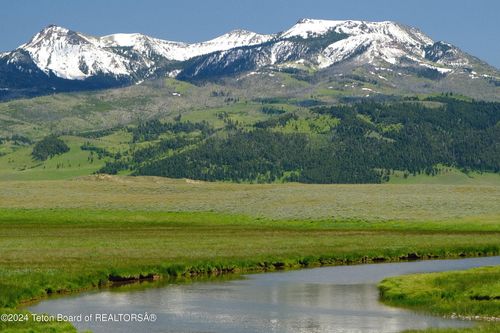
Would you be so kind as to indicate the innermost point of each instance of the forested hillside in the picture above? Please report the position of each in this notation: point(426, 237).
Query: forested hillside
point(264, 140)
point(361, 142)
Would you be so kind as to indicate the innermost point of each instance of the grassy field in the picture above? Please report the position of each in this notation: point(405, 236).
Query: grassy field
point(59, 236)
point(28, 325)
point(416, 202)
point(50, 251)
point(472, 294)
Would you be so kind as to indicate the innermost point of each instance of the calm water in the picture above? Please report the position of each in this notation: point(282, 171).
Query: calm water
point(328, 299)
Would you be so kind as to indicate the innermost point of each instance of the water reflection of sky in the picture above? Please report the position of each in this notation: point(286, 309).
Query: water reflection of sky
point(331, 299)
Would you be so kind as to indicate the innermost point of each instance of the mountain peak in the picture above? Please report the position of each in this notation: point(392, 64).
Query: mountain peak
point(52, 33)
point(53, 29)
point(240, 32)
point(54, 26)
point(235, 38)
point(71, 55)
point(308, 27)
point(306, 20)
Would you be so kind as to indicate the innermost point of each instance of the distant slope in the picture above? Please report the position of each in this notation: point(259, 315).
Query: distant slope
point(436, 139)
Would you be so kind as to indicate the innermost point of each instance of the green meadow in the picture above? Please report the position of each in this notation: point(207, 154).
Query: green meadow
point(47, 251)
point(469, 294)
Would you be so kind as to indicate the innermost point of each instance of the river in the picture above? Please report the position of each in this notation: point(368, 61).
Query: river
point(328, 299)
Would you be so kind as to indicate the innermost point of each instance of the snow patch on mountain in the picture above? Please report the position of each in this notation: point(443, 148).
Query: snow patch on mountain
point(183, 51)
point(147, 46)
point(307, 28)
point(371, 42)
point(343, 49)
point(233, 39)
point(439, 69)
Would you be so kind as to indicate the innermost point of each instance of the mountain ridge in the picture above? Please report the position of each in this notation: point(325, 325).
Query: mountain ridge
point(66, 57)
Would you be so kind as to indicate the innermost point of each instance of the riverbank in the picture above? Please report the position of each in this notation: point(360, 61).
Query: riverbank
point(470, 295)
point(47, 251)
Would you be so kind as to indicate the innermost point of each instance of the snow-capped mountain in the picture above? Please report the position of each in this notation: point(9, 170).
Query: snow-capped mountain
point(321, 44)
point(57, 58)
point(74, 56)
point(386, 41)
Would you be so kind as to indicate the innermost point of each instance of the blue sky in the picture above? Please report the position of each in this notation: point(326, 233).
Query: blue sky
point(472, 25)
